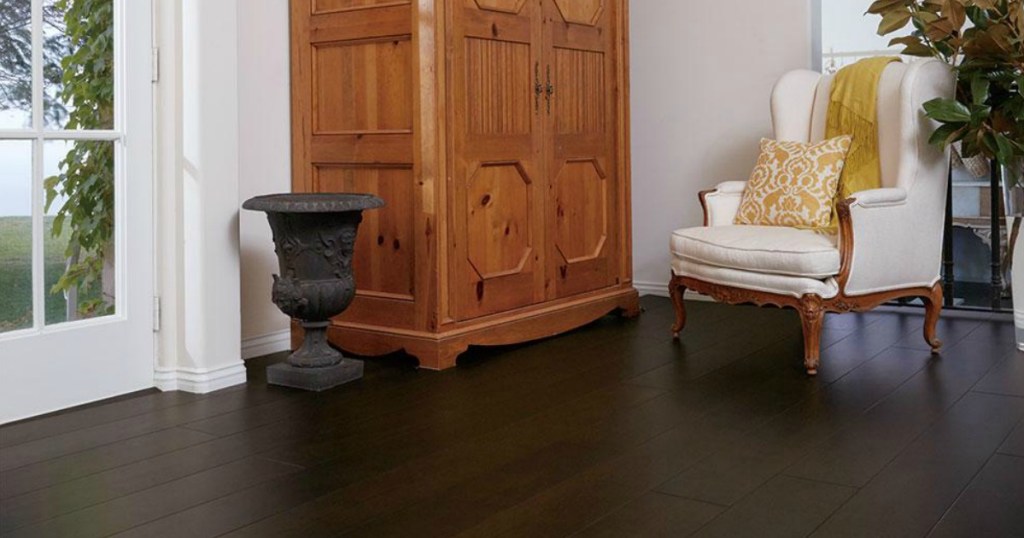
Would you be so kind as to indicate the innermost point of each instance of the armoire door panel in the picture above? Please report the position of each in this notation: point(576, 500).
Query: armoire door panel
point(581, 211)
point(499, 206)
point(499, 93)
point(583, 198)
point(586, 12)
point(582, 103)
point(497, 226)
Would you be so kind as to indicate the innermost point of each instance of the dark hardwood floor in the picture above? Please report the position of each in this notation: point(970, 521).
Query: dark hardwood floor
point(613, 430)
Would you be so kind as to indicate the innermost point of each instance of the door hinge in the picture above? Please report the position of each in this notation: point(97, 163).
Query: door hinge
point(156, 313)
point(156, 64)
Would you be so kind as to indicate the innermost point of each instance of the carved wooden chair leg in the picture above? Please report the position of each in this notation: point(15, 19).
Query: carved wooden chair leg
point(933, 308)
point(677, 290)
point(812, 317)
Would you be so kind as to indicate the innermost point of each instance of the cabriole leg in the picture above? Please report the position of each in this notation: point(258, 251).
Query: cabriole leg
point(812, 317)
point(677, 290)
point(933, 308)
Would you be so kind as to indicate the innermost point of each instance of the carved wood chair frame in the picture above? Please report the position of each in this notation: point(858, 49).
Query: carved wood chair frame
point(811, 307)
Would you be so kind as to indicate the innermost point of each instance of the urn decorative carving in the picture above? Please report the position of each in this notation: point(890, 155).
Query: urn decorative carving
point(314, 237)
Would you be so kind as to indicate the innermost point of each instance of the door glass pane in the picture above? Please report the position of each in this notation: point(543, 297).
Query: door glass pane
point(79, 248)
point(15, 235)
point(79, 71)
point(15, 64)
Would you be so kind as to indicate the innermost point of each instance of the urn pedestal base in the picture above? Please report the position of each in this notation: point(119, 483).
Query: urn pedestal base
point(315, 379)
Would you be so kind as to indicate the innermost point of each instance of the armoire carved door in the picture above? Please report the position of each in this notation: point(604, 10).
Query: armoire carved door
point(497, 156)
point(583, 198)
point(533, 152)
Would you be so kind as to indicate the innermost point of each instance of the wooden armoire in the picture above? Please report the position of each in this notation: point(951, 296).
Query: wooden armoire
point(497, 131)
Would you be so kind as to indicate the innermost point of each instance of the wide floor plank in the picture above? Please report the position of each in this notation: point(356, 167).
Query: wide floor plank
point(654, 515)
point(993, 505)
point(784, 506)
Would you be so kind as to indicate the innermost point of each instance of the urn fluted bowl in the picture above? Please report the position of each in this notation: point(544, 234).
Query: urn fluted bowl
point(314, 237)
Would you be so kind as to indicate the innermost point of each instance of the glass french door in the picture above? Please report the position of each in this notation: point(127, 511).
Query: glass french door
point(76, 225)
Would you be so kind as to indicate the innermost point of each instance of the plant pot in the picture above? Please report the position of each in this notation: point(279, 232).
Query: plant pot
point(314, 237)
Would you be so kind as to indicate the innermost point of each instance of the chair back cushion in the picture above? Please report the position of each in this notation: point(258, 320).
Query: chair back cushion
point(794, 184)
point(800, 103)
point(912, 257)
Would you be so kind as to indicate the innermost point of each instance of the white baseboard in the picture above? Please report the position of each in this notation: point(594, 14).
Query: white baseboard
point(267, 344)
point(198, 381)
point(657, 289)
point(660, 289)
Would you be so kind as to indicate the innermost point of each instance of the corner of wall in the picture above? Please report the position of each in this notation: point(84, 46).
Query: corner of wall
point(199, 348)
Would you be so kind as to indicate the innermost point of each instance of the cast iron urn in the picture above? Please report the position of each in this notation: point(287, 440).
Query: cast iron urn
point(314, 237)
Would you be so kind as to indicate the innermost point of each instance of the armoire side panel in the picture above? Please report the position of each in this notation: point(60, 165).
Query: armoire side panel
point(386, 264)
point(362, 87)
point(356, 111)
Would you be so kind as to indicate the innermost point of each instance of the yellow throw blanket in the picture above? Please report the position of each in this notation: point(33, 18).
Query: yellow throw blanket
point(853, 110)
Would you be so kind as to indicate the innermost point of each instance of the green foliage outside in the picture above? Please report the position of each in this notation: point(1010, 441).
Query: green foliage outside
point(78, 54)
point(16, 273)
point(984, 41)
point(86, 181)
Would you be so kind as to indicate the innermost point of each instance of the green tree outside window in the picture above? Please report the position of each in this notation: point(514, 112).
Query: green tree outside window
point(78, 54)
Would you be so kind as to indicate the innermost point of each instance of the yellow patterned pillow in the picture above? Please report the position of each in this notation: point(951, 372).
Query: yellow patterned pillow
point(794, 184)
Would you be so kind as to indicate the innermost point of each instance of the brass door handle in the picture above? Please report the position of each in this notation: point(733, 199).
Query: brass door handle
point(538, 88)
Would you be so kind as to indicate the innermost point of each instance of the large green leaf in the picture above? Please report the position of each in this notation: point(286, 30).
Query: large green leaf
point(979, 89)
point(1004, 148)
point(947, 134)
point(947, 111)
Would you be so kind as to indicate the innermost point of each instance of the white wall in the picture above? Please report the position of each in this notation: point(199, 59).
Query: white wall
point(264, 139)
point(845, 27)
point(701, 79)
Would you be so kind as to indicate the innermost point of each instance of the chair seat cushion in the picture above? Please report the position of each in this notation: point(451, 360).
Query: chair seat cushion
point(773, 250)
point(792, 286)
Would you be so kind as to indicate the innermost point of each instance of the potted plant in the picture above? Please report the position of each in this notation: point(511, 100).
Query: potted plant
point(983, 40)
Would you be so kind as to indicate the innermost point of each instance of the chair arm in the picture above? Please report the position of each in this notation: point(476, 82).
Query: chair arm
point(880, 197)
point(721, 204)
point(885, 243)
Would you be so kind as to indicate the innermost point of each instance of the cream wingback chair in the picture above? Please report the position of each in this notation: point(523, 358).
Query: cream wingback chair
point(889, 244)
